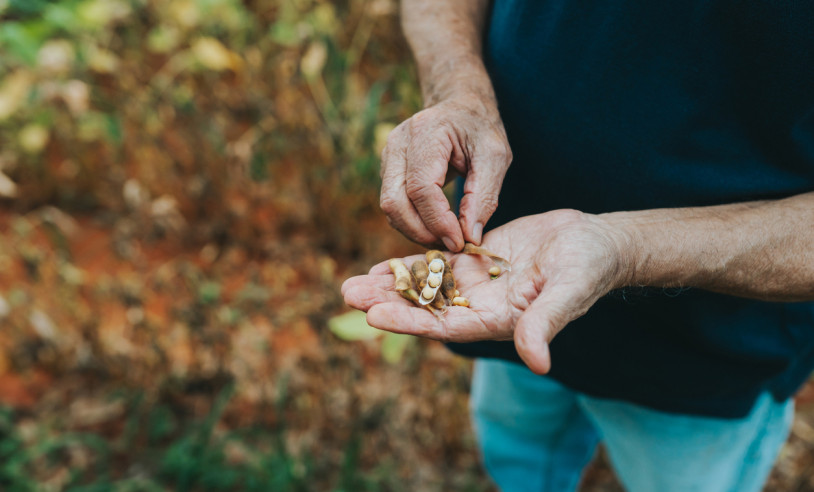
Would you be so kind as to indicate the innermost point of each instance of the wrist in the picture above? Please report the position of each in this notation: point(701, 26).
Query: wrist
point(483, 106)
point(456, 77)
point(630, 249)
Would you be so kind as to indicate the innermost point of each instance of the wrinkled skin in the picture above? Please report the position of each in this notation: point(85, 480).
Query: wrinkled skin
point(562, 262)
point(462, 135)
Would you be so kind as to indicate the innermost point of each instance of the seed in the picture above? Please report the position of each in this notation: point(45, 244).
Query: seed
point(428, 293)
point(448, 287)
point(420, 273)
point(436, 266)
point(457, 293)
point(434, 281)
point(403, 279)
point(439, 303)
point(471, 249)
point(495, 271)
point(460, 301)
point(410, 295)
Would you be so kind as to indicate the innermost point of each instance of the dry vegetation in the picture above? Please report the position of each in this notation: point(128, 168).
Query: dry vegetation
point(183, 187)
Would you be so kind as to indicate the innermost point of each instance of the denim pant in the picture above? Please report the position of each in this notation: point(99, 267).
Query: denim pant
point(537, 435)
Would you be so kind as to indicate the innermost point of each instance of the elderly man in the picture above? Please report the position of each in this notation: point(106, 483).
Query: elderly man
point(659, 215)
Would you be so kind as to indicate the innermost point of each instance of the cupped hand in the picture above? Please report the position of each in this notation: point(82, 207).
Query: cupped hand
point(562, 262)
point(463, 135)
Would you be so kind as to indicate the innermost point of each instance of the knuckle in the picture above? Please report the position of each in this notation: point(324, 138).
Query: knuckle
point(498, 149)
point(395, 140)
point(415, 187)
point(388, 204)
point(507, 154)
point(489, 202)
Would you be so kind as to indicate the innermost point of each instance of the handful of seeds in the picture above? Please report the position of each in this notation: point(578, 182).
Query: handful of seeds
point(431, 283)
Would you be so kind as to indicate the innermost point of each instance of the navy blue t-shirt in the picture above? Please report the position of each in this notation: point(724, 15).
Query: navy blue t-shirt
point(640, 104)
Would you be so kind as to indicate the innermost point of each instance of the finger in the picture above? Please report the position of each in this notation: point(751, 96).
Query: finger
point(393, 201)
point(481, 191)
point(534, 330)
point(459, 324)
point(426, 172)
point(404, 318)
point(463, 325)
point(364, 297)
point(383, 282)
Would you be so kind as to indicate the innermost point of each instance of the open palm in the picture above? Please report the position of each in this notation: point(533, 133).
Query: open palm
point(562, 262)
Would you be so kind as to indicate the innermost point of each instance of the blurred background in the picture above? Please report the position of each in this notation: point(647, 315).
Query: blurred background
point(184, 185)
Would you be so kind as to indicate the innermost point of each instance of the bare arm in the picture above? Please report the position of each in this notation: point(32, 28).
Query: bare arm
point(460, 130)
point(762, 250)
point(564, 261)
point(446, 39)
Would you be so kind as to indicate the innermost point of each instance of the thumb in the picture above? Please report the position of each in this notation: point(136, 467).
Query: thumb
point(481, 190)
point(534, 330)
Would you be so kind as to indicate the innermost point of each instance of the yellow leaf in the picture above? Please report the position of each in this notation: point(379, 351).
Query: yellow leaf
point(185, 13)
point(314, 59)
point(352, 327)
point(323, 18)
point(13, 92)
point(33, 138)
point(213, 55)
point(101, 60)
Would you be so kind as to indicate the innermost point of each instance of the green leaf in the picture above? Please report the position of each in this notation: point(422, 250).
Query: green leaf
point(209, 292)
point(285, 33)
point(394, 345)
point(352, 326)
point(21, 40)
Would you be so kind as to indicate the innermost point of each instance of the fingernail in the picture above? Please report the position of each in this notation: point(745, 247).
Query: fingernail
point(449, 243)
point(477, 232)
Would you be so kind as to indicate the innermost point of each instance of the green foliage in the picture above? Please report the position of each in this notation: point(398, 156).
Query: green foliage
point(352, 326)
point(199, 100)
point(197, 458)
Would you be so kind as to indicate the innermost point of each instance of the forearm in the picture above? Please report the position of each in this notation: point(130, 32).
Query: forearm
point(446, 38)
point(762, 250)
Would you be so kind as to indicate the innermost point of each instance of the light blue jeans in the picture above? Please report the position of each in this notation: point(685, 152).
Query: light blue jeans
point(537, 435)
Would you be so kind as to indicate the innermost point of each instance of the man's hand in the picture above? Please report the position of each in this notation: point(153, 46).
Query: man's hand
point(459, 131)
point(562, 262)
point(463, 135)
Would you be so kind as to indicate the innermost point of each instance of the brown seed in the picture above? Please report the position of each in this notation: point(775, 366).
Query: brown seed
point(448, 286)
point(439, 303)
point(420, 273)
